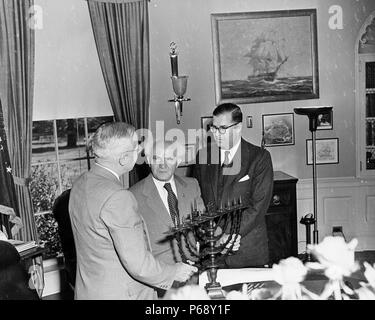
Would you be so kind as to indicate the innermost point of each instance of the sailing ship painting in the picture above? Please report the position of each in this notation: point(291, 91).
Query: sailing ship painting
point(262, 57)
point(265, 58)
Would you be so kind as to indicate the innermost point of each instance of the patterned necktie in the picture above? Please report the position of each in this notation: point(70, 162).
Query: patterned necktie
point(172, 204)
point(226, 158)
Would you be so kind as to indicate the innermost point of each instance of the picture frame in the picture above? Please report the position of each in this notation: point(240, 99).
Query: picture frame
point(265, 56)
point(206, 122)
point(190, 153)
point(278, 129)
point(327, 151)
point(325, 121)
point(206, 135)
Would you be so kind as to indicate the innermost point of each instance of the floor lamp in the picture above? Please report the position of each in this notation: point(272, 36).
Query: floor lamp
point(313, 114)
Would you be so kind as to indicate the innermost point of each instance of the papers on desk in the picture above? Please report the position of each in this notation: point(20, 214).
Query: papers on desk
point(22, 245)
point(227, 277)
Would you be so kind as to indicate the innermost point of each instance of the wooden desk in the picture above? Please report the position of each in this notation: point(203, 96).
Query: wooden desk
point(32, 253)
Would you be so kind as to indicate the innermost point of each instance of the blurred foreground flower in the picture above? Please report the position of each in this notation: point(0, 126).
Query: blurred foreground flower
point(189, 292)
point(336, 258)
point(289, 273)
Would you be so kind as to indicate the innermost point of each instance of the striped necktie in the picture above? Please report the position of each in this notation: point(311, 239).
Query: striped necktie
point(172, 204)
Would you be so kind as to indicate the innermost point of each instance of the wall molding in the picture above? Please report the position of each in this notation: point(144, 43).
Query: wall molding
point(342, 201)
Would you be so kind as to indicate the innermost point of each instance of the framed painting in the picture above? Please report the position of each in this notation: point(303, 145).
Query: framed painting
point(206, 122)
point(327, 151)
point(190, 153)
point(278, 129)
point(206, 135)
point(325, 121)
point(265, 56)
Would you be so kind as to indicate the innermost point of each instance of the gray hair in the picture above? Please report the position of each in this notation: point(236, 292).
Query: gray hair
point(107, 136)
point(176, 146)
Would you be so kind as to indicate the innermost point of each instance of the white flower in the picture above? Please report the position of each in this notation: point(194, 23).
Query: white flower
point(289, 271)
point(336, 256)
point(370, 273)
point(188, 292)
point(365, 293)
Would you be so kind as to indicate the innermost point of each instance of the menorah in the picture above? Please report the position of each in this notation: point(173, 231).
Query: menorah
point(206, 250)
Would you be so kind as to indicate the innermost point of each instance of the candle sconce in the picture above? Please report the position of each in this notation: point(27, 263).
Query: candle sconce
point(179, 84)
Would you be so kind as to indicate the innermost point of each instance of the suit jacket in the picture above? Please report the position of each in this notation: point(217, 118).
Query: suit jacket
point(113, 257)
point(255, 191)
point(157, 218)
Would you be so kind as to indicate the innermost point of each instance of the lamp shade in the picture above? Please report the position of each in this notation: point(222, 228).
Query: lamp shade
point(179, 85)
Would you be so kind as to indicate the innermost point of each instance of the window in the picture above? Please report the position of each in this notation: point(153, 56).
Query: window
point(59, 156)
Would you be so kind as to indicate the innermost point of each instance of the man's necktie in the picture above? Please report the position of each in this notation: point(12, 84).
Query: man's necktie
point(226, 158)
point(172, 204)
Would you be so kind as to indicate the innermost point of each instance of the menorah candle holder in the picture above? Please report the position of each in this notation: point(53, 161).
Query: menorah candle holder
point(206, 250)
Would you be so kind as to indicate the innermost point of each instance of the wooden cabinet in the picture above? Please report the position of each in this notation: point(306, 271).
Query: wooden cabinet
point(281, 218)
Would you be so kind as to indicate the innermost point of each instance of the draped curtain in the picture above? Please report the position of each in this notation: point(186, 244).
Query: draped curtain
point(121, 34)
point(16, 91)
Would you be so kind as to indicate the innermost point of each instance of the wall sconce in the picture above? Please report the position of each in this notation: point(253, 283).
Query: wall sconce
point(179, 83)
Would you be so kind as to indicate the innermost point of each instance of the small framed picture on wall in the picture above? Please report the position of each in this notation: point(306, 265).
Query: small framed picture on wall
point(278, 129)
point(325, 121)
point(327, 151)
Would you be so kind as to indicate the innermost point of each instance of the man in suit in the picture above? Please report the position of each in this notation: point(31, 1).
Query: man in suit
point(114, 260)
point(165, 199)
point(233, 168)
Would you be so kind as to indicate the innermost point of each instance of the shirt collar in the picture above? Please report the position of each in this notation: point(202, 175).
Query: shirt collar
point(161, 184)
point(232, 151)
point(111, 171)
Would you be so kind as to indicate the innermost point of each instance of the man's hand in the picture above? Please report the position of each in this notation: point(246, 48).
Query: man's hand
point(184, 272)
point(236, 245)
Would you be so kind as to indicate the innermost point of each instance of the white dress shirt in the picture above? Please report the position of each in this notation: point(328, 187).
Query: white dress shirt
point(232, 152)
point(163, 193)
point(111, 171)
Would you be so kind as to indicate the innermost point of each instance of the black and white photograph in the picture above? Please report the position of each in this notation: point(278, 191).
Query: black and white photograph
point(325, 121)
point(163, 150)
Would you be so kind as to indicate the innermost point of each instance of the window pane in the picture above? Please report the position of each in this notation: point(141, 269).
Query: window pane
point(43, 142)
point(71, 139)
point(94, 123)
point(44, 186)
point(47, 228)
point(70, 171)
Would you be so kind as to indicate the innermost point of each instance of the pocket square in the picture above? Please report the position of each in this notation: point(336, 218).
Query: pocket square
point(244, 178)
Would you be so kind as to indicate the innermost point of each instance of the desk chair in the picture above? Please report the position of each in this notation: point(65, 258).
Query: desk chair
point(61, 213)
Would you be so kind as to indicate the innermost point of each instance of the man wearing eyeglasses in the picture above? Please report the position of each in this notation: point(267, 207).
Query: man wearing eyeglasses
point(233, 168)
point(114, 259)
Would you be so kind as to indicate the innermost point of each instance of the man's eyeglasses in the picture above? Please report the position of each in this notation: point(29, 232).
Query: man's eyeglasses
point(221, 129)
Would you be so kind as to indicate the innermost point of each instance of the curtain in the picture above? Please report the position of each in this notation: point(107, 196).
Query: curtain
point(121, 34)
point(16, 92)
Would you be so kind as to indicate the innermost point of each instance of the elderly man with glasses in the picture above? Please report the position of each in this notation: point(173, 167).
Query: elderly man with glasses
point(114, 259)
point(233, 168)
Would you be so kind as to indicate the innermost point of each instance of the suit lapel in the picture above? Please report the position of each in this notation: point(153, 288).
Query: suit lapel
point(154, 201)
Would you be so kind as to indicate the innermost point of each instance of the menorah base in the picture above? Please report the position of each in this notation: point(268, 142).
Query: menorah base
point(214, 291)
